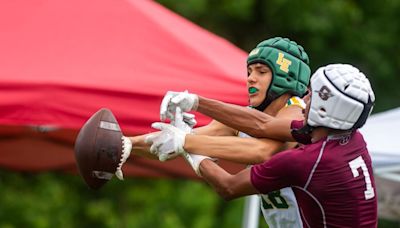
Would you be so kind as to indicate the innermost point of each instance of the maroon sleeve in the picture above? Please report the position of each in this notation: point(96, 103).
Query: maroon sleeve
point(276, 173)
point(297, 124)
point(299, 133)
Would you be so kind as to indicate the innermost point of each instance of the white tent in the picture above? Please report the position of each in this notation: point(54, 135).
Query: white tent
point(383, 142)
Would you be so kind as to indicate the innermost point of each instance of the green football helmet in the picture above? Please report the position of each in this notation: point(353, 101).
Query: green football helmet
point(289, 65)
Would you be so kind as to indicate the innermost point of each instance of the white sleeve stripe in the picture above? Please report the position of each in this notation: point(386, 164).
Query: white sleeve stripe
point(316, 201)
point(315, 165)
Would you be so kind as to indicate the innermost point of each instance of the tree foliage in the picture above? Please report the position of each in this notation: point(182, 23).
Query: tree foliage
point(362, 33)
point(63, 200)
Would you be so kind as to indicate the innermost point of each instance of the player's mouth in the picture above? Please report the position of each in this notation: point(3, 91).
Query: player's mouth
point(252, 90)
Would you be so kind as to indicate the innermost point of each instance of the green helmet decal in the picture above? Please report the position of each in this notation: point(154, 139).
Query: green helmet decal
point(289, 64)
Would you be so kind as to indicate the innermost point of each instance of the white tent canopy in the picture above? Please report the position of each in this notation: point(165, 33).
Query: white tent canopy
point(383, 142)
point(380, 133)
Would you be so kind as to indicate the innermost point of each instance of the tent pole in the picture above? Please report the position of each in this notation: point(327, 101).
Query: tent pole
point(251, 213)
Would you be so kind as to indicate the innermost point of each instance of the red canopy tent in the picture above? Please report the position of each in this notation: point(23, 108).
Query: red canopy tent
point(60, 61)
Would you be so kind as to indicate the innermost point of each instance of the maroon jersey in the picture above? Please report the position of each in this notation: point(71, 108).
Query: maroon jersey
point(332, 180)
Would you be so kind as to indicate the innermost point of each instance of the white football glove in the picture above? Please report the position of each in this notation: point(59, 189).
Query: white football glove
point(184, 100)
point(184, 121)
point(168, 142)
point(194, 161)
point(171, 141)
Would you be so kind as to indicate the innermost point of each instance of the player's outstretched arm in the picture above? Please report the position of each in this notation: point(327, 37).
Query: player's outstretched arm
point(140, 147)
point(215, 128)
point(226, 185)
point(182, 120)
point(233, 148)
point(250, 121)
point(242, 150)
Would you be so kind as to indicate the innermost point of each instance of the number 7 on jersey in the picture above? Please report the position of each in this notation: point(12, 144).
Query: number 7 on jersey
point(355, 165)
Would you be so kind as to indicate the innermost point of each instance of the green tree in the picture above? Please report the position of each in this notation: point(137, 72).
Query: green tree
point(363, 33)
point(62, 200)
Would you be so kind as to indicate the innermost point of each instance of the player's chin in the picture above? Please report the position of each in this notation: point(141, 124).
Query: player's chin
point(254, 100)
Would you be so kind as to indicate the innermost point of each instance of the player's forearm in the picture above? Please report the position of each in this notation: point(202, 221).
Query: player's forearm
point(250, 121)
point(231, 148)
point(218, 178)
point(139, 147)
point(215, 128)
point(226, 185)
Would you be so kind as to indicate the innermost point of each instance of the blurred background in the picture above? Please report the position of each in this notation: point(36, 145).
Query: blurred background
point(363, 33)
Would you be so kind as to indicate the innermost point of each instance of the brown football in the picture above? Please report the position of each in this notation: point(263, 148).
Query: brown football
point(98, 148)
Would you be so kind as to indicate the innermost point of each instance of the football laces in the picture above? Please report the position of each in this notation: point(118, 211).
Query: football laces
point(126, 151)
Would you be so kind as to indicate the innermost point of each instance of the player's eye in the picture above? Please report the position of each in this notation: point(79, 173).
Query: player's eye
point(248, 71)
point(263, 70)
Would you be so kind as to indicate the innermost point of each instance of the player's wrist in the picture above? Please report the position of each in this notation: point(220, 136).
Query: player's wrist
point(187, 142)
point(196, 160)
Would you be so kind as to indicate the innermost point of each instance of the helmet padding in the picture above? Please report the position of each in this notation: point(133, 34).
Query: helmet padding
point(342, 98)
point(289, 65)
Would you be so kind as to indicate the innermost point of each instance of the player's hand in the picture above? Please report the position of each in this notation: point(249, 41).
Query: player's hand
point(184, 100)
point(184, 121)
point(126, 151)
point(169, 142)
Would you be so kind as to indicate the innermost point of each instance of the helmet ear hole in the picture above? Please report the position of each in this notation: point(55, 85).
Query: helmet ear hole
point(322, 112)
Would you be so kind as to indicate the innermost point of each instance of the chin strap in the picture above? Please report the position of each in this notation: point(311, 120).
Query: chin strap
point(303, 135)
point(267, 101)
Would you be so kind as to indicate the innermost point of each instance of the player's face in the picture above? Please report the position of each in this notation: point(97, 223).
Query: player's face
point(258, 81)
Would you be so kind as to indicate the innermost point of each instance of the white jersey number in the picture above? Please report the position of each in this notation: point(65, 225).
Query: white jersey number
point(355, 165)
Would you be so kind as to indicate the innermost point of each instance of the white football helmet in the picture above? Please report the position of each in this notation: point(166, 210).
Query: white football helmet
point(342, 98)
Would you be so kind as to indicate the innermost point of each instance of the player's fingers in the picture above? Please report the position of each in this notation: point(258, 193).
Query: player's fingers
point(192, 123)
point(178, 111)
point(189, 119)
point(178, 99)
point(178, 119)
point(159, 125)
point(164, 106)
point(188, 116)
point(154, 148)
point(163, 157)
point(151, 137)
point(170, 115)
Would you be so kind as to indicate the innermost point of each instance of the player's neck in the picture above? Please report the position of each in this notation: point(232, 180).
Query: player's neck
point(277, 105)
point(319, 133)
